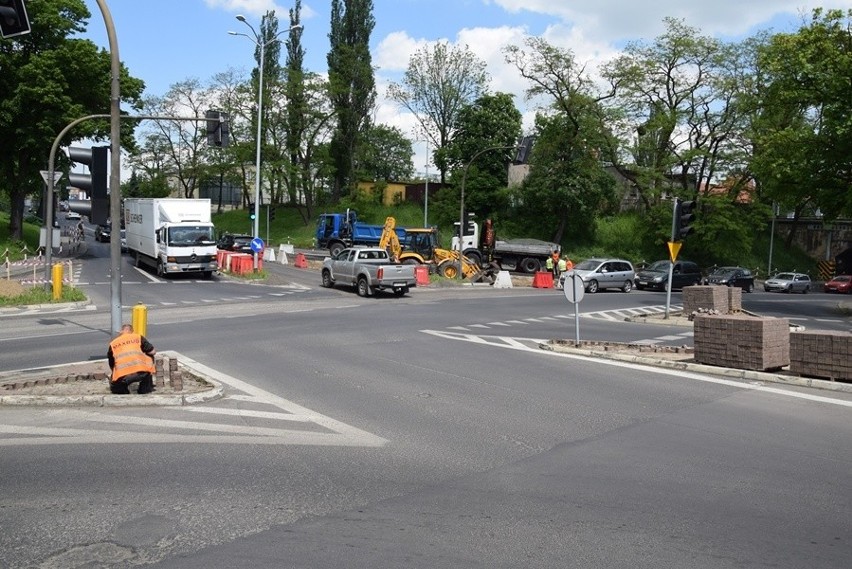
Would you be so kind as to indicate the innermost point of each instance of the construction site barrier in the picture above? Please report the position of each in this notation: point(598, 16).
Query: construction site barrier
point(543, 279)
point(301, 261)
point(422, 274)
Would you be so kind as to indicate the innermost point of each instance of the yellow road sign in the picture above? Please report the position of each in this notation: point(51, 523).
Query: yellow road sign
point(674, 249)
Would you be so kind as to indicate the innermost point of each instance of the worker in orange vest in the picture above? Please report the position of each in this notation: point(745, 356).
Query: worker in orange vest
point(131, 359)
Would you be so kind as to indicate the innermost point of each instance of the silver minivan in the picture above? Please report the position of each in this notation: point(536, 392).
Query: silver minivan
point(599, 274)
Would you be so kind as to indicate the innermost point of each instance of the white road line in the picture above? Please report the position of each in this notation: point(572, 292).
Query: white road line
point(148, 276)
point(497, 324)
point(326, 431)
point(679, 374)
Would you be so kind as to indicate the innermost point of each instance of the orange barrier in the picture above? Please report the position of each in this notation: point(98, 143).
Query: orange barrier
point(543, 279)
point(241, 263)
point(422, 274)
point(301, 261)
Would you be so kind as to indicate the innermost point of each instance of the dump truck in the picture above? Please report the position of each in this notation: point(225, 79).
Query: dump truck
point(483, 248)
point(336, 231)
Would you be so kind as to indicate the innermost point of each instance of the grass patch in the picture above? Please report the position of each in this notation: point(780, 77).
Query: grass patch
point(42, 295)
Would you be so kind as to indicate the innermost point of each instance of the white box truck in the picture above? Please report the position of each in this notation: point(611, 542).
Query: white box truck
point(173, 235)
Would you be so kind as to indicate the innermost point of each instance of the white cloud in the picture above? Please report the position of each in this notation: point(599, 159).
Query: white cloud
point(257, 8)
point(615, 21)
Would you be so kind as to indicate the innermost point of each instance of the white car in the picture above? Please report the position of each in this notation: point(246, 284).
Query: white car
point(73, 215)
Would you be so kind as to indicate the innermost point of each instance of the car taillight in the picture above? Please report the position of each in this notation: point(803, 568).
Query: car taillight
point(380, 273)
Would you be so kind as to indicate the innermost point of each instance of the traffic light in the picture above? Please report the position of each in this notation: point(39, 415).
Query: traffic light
point(271, 213)
point(684, 216)
point(13, 18)
point(251, 211)
point(95, 182)
point(217, 128)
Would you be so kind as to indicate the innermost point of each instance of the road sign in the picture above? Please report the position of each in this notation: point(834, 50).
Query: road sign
point(257, 244)
point(573, 288)
point(674, 249)
point(45, 175)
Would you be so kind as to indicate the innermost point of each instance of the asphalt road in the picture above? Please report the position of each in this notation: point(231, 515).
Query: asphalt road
point(427, 431)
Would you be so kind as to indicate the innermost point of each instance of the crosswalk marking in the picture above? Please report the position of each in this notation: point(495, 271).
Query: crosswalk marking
point(264, 419)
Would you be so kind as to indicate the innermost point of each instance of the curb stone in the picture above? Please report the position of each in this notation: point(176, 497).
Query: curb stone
point(110, 400)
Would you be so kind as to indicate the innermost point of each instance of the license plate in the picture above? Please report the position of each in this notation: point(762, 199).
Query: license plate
point(399, 285)
point(643, 283)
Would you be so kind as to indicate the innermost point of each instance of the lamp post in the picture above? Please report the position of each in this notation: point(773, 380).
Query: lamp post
point(461, 210)
point(426, 190)
point(261, 45)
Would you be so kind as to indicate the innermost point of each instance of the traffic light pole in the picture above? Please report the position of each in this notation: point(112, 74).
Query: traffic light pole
point(115, 205)
point(672, 260)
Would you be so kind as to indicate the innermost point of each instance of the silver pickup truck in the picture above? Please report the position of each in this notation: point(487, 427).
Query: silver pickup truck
point(368, 269)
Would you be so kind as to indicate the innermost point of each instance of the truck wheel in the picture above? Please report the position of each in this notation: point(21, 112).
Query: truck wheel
point(207, 275)
point(326, 279)
point(592, 287)
point(335, 248)
point(136, 262)
point(475, 257)
point(161, 271)
point(362, 287)
point(529, 265)
point(410, 261)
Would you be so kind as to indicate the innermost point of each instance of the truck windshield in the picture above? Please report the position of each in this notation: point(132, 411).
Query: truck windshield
point(191, 235)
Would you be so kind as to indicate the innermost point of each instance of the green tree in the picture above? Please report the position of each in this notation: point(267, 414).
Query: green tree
point(385, 155)
point(351, 85)
point(567, 187)
point(677, 110)
point(803, 133)
point(490, 121)
point(439, 82)
point(50, 78)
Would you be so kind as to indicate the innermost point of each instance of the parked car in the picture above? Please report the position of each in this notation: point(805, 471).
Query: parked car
point(788, 282)
point(598, 274)
point(841, 284)
point(235, 242)
point(732, 276)
point(73, 216)
point(656, 275)
point(102, 233)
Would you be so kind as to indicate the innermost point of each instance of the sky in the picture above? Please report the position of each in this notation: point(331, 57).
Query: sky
point(164, 42)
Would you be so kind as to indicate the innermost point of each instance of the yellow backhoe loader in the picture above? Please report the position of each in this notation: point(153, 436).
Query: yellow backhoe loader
point(420, 246)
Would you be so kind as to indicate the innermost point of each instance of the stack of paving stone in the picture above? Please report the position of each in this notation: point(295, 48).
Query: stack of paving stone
point(722, 299)
point(743, 342)
point(821, 353)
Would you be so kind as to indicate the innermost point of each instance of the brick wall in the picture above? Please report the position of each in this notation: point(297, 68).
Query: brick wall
point(742, 341)
point(821, 353)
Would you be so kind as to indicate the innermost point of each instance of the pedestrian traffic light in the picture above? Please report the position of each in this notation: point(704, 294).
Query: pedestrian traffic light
point(95, 182)
point(217, 128)
point(13, 18)
point(684, 216)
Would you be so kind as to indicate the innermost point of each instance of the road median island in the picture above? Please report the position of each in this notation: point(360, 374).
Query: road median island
point(86, 384)
point(682, 358)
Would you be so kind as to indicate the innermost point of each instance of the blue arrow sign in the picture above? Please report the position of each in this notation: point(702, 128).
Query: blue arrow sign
point(257, 244)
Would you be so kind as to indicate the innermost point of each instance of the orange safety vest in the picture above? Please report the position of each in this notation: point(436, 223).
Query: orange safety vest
point(129, 357)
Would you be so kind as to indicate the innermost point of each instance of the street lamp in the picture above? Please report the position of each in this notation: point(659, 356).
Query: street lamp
point(461, 211)
point(261, 45)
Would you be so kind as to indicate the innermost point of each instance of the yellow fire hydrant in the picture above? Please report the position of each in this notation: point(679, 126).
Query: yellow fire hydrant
point(139, 319)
